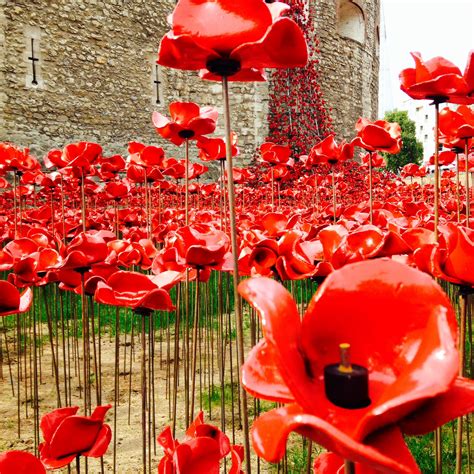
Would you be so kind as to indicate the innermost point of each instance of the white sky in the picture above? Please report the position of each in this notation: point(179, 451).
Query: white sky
point(432, 27)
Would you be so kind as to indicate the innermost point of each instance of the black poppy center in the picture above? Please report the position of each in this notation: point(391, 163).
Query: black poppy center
point(223, 67)
point(186, 134)
point(438, 99)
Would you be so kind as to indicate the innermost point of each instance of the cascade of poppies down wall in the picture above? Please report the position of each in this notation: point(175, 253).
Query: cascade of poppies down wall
point(298, 114)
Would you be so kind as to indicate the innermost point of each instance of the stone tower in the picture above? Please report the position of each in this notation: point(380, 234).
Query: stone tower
point(349, 36)
point(75, 70)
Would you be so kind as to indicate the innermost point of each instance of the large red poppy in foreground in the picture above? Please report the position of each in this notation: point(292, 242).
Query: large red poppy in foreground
point(401, 327)
point(233, 39)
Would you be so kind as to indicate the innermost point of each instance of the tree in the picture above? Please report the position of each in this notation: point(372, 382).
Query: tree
point(412, 149)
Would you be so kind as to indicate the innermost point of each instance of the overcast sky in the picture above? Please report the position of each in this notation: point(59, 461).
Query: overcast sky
point(432, 27)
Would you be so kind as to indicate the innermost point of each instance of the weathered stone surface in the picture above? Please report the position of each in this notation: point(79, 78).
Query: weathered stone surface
point(96, 71)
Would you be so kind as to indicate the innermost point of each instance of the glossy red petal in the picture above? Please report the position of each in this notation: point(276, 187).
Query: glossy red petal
point(183, 112)
point(9, 297)
point(456, 402)
point(283, 46)
point(101, 443)
point(415, 359)
point(282, 329)
point(156, 300)
point(74, 435)
point(469, 72)
point(459, 263)
point(261, 377)
point(183, 52)
point(221, 25)
point(50, 421)
point(20, 462)
point(271, 430)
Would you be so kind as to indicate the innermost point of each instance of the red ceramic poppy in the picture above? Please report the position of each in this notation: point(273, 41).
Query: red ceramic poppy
point(116, 190)
point(67, 435)
point(444, 158)
point(13, 158)
point(211, 149)
point(273, 154)
point(201, 452)
point(378, 136)
point(330, 152)
point(410, 170)
point(11, 301)
point(377, 161)
point(201, 246)
point(188, 122)
point(457, 124)
point(415, 339)
point(20, 462)
point(146, 156)
point(110, 166)
point(32, 270)
point(452, 259)
point(85, 250)
point(80, 155)
point(133, 290)
point(438, 79)
point(236, 40)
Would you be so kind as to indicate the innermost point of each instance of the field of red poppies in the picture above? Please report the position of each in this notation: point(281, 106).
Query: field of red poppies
point(153, 317)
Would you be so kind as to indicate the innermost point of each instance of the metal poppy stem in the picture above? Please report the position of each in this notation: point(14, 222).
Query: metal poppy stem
point(273, 189)
point(463, 303)
point(371, 203)
point(144, 394)
point(195, 344)
point(15, 211)
point(349, 467)
point(458, 203)
point(436, 171)
point(235, 252)
point(83, 202)
point(468, 202)
point(334, 193)
point(63, 218)
point(116, 382)
point(186, 181)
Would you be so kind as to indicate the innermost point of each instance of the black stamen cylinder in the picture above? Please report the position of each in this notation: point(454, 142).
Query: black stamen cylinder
point(345, 384)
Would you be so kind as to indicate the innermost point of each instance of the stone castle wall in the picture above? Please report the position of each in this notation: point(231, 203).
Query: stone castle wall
point(349, 42)
point(96, 74)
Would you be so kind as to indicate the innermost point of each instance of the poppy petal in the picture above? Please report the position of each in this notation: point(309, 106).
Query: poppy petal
point(221, 25)
point(283, 46)
point(261, 377)
point(456, 402)
point(183, 52)
point(101, 443)
point(20, 462)
point(272, 301)
point(271, 430)
point(50, 421)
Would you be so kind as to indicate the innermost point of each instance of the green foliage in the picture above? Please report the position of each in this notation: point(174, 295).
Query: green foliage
point(412, 149)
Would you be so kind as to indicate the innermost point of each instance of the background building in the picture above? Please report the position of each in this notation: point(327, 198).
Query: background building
point(75, 70)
